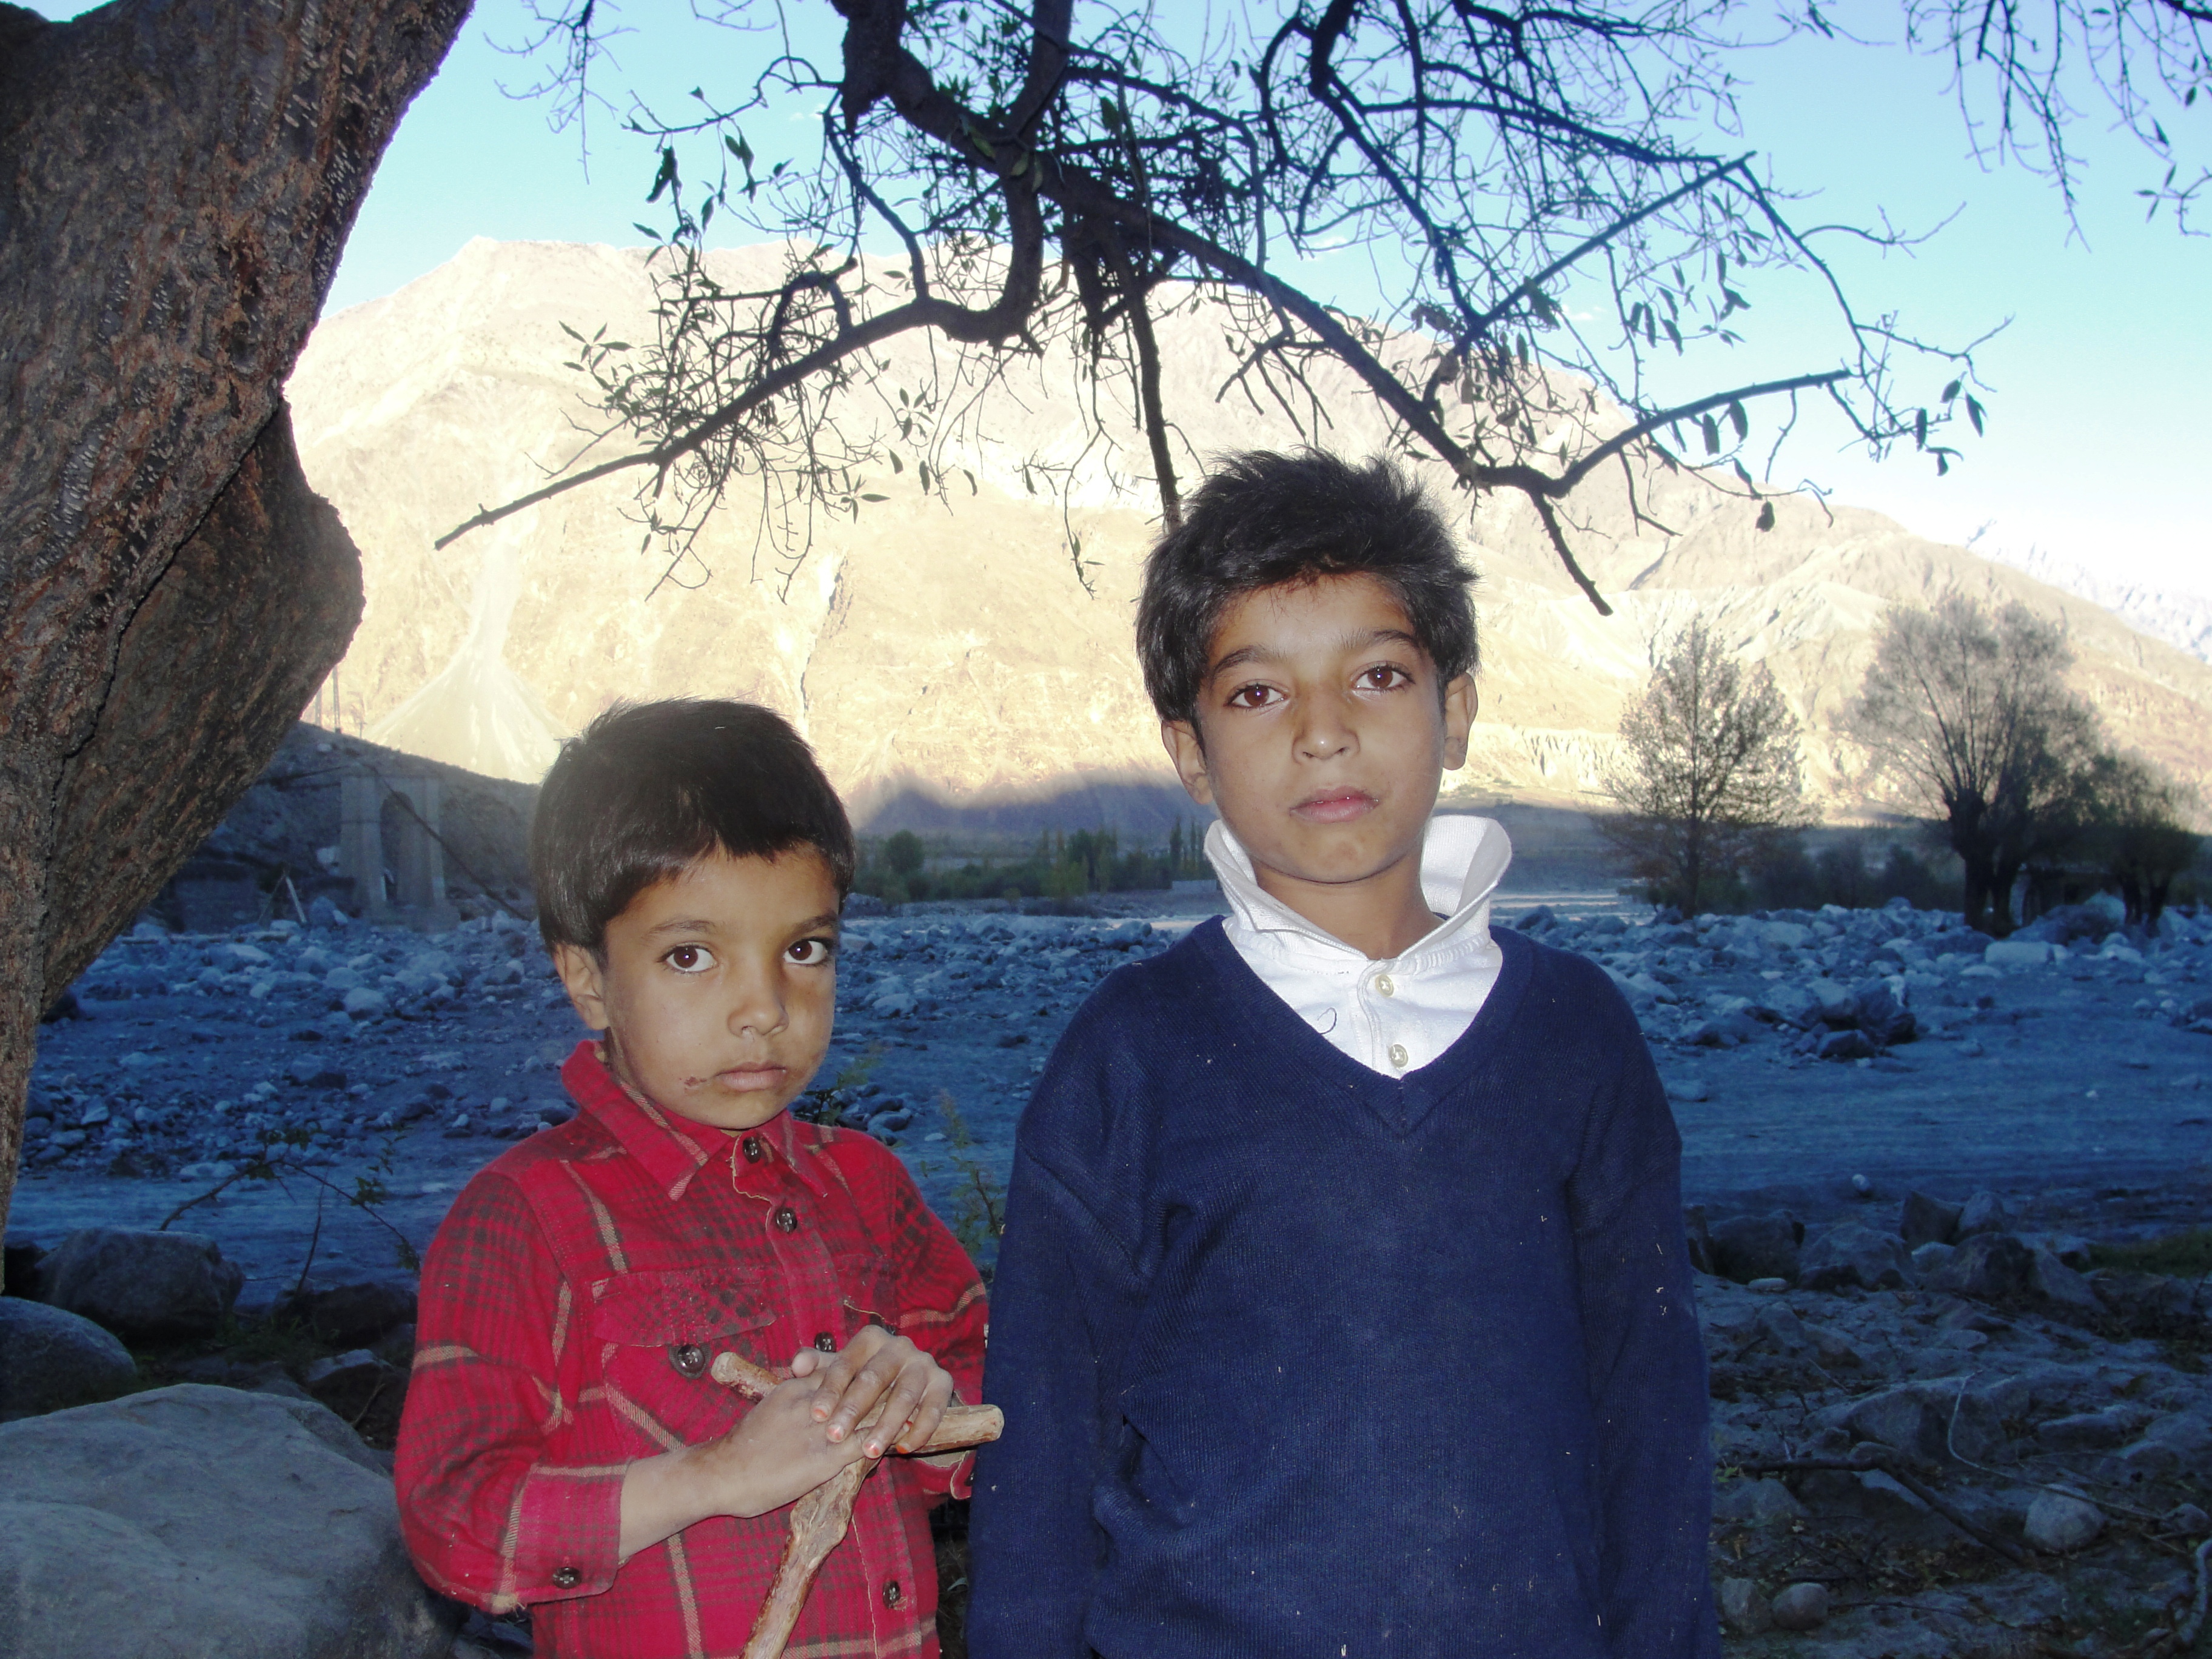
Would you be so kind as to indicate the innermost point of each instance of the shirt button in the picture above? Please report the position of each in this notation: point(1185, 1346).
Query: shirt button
point(567, 1577)
point(787, 1220)
point(893, 1596)
point(753, 1152)
point(1398, 1056)
point(689, 1358)
point(824, 1341)
point(1382, 983)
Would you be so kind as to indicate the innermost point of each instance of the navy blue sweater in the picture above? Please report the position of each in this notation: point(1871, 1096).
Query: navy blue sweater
point(1300, 1359)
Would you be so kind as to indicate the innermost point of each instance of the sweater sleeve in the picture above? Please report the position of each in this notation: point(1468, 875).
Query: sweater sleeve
point(1647, 1370)
point(1060, 1306)
point(490, 1517)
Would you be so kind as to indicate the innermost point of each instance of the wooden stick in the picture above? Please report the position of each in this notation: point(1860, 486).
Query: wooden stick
point(820, 1520)
point(818, 1524)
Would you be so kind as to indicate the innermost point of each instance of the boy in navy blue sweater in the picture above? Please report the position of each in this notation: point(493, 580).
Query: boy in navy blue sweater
point(1344, 1307)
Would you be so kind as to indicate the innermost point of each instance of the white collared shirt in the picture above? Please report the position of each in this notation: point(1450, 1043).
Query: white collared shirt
point(1396, 1015)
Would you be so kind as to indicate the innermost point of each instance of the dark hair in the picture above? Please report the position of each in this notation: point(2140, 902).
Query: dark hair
point(648, 788)
point(1264, 520)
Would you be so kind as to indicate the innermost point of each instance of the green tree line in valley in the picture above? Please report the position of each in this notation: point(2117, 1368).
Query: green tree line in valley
point(902, 867)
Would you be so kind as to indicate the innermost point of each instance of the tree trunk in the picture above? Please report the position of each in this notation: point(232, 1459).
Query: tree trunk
point(176, 183)
point(1979, 883)
point(2003, 876)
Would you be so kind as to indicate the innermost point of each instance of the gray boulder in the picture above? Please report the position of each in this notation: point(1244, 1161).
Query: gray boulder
point(2100, 1431)
point(2059, 1524)
point(1744, 1611)
point(1846, 1045)
point(1929, 1419)
point(1833, 1004)
point(2058, 1284)
point(1990, 1265)
point(1912, 1419)
point(1801, 1607)
point(1882, 1017)
point(50, 1357)
point(196, 1523)
point(1852, 1254)
point(1927, 1258)
point(1925, 1220)
point(1984, 1213)
point(143, 1285)
point(354, 1314)
point(1749, 1247)
point(1764, 1502)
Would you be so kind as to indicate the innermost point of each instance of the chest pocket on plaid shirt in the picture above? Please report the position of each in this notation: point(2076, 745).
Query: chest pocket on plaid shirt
point(866, 1288)
point(664, 1330)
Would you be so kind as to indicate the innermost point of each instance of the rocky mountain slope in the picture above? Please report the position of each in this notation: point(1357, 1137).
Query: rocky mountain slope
point(948, 654)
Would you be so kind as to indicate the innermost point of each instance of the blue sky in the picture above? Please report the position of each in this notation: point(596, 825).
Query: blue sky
point(2098, 430)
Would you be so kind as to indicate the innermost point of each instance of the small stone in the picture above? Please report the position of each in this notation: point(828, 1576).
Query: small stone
point(2188, 1520)
point(2060, 1524)
point(1743, 1609)
point(1801, 1607)
point(1767, 1286)
point(364, 1003)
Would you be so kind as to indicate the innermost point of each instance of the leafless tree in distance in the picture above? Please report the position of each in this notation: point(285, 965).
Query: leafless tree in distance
point(1965, 712)
point(1709, 766)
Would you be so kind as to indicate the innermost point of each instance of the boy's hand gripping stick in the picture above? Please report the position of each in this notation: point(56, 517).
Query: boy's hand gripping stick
point(820, 1520)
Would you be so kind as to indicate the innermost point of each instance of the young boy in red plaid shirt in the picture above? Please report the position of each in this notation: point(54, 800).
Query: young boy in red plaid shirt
point(565, 1446)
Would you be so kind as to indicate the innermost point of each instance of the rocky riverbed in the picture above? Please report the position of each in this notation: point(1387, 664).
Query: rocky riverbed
point(1802, 1051)
point(1974, 1427)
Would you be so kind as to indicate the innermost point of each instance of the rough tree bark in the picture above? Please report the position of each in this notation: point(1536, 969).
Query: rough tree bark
point(176, 183)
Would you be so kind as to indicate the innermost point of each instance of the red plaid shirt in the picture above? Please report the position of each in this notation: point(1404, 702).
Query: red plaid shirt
point(571, 1304)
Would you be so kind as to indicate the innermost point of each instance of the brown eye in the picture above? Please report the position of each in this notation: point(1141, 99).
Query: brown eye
point(689, 959)
point(812, 952)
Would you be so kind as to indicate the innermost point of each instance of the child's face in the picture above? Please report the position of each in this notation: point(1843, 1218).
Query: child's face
point(1325, 738)
point(718, 986)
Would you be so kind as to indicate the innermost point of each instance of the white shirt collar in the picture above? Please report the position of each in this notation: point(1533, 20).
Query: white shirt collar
point(1463, 861)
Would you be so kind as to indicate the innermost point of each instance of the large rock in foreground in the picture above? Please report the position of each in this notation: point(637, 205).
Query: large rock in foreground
point(50, 1357)
point(143, 1285)
point(197, 1522)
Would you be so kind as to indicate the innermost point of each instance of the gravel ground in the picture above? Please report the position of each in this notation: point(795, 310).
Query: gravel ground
point(2075, 1087)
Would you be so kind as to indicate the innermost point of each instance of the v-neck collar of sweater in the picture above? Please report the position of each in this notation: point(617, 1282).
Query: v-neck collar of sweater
point(1399, 1103)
